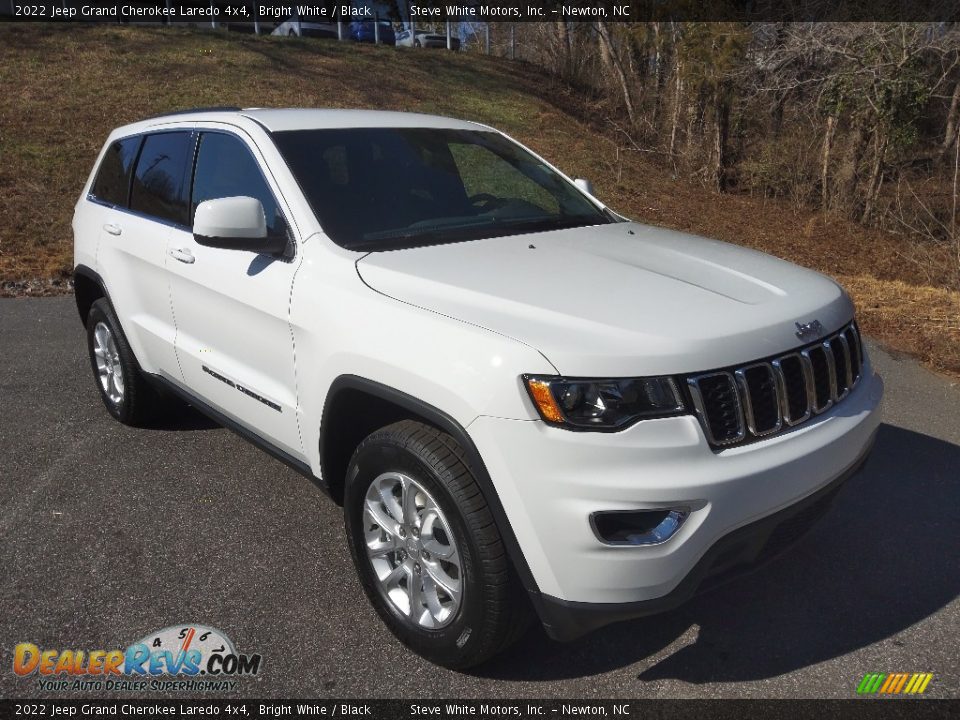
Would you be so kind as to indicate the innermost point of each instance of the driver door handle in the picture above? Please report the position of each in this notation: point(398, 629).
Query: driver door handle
point(112, 229)
point(182, 254)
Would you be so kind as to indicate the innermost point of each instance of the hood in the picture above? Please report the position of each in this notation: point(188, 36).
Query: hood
point(617, 300)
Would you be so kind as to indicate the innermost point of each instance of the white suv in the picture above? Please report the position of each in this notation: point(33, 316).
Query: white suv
point(527, 405)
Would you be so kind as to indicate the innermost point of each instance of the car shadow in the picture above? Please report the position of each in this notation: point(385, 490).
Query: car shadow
point(177, 415)
point(881, 560)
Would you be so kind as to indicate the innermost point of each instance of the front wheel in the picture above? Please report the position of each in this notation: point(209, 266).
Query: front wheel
point(426, 548)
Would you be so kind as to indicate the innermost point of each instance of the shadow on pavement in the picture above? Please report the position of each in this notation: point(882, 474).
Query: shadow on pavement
point(877, 563)
point(177, 416)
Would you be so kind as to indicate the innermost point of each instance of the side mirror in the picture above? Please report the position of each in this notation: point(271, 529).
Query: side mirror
point(235, 223)
point(584, 185)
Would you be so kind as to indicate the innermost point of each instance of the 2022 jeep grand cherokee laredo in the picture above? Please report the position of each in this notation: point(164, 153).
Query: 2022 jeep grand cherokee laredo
point(523, 401)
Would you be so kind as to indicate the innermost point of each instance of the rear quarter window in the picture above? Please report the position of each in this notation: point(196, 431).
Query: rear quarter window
point(113, 178)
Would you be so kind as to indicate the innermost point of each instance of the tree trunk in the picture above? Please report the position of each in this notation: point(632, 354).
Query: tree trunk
point(656, 60)
point(611, 59)
point(565, 53)
point(876, 174)
point(825, 162)
point(677, 101)
point(848, 176)
point(950, 134)
point(657, 56)
point(721, 133)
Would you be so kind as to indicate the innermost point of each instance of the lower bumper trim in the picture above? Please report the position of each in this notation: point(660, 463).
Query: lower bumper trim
point(741, 551)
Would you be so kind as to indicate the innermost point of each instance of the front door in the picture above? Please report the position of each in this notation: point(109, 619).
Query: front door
point(232, 307)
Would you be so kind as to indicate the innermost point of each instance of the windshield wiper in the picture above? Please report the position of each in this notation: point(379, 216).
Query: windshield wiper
point(420, 229)
point(496, 227)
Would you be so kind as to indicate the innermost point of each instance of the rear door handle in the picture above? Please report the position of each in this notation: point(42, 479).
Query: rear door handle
point(113, 229)
point(183, 255)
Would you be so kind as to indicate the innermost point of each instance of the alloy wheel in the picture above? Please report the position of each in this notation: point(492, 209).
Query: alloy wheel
point(412, 550)
point(109, 369)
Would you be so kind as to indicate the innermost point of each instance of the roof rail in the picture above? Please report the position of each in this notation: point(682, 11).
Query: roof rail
point(189, 111)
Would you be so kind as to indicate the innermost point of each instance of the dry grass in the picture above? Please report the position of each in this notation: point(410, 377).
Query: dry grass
point(65, 88)
point(920, 320)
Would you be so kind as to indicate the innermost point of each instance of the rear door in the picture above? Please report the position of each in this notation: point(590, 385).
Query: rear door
point(141, 187)
point(232, 308)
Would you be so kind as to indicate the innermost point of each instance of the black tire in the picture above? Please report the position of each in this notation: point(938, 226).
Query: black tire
point(493, 611)
point(139, 401)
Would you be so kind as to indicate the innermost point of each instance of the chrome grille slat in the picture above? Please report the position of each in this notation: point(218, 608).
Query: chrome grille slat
point(812, 354)
point(710, 421)
point(781, 373)
point(810, 382)
point(847, 380)
point(749, 402)
point(738, 404)
point(852, 335)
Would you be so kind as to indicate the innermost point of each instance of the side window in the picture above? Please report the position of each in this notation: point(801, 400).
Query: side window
point(158, 180)
point(113, 178)
point(225, 168)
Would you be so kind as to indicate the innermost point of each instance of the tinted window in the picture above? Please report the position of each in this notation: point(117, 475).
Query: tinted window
point(483, 173)
point(158, 180)
point(113, 179)
point(225, 168)
point(385, 188)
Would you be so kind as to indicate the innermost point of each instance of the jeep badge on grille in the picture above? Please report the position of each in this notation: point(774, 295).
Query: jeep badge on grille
point(812, 329)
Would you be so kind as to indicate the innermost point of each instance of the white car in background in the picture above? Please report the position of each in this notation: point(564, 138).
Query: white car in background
point(527, 405)
point(299, 28)
point(407, 38)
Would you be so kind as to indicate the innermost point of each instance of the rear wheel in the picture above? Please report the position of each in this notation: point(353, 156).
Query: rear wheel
point(426, 548)
point(123, 389)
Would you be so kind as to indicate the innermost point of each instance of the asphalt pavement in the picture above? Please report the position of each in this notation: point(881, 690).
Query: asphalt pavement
point(108, 533)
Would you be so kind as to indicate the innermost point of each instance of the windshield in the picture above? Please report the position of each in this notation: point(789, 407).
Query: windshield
point(391, 188)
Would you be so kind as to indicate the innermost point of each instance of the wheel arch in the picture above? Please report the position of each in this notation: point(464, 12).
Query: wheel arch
point(88, 287)
point(356, 406)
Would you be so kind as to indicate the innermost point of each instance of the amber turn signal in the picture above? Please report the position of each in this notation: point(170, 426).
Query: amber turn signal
point(543, 397)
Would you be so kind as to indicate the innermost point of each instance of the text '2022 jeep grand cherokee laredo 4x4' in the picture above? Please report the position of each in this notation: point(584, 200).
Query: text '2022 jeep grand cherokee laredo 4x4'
point(523, 401)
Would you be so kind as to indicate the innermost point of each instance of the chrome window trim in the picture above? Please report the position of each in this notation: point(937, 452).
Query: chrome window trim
point(140, 215)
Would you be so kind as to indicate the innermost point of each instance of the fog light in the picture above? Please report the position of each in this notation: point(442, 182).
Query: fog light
point(637, 527)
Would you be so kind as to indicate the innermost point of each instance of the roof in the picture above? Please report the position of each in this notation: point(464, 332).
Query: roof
point(302, 119)
point(314, 119)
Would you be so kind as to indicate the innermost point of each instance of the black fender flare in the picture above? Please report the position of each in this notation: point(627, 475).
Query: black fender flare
point(92, 275)
point(447, 424)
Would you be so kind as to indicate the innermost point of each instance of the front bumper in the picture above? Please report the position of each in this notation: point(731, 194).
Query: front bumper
point(550, 481)
point(737, 553)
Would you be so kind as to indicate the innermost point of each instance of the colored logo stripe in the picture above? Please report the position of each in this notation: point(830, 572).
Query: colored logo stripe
point(894, 683)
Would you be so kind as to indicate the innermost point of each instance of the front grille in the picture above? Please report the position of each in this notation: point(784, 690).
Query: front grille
point(762, 398)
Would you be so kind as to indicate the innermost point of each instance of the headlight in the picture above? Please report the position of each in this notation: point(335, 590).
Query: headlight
point(603, 404)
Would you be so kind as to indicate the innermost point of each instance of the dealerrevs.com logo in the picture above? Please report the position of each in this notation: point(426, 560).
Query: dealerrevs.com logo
point(185, 657)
